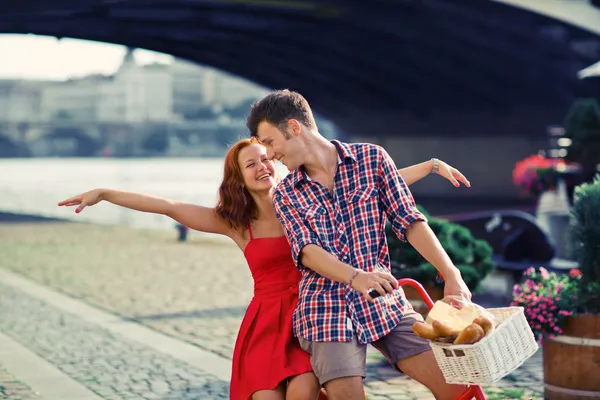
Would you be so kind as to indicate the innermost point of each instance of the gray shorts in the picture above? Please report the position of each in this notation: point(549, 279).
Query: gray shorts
point(332, 360)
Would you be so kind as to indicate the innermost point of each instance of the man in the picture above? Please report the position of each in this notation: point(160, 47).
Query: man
point(334, 205)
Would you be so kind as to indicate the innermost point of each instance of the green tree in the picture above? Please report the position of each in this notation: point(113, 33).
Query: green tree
point(584, 243)
point(582, 126)
point(471, 256)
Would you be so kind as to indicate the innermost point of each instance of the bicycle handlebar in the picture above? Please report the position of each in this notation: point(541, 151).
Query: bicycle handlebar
point(409, 282)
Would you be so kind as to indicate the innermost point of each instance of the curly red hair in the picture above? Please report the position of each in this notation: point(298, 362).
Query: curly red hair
point(235, 205)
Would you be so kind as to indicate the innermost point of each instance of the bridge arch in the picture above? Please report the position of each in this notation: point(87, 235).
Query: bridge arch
point(383, 67)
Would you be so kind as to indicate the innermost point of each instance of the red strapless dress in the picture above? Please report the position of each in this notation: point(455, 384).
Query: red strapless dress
point(266, 351)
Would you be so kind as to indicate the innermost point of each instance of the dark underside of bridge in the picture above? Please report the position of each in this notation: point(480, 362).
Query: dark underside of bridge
point(373, 67)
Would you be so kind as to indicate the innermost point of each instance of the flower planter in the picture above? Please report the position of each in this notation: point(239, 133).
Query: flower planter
point(553, 211)
point(572, 360)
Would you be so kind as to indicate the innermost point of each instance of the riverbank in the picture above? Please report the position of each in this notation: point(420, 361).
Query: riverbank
point(17, 217)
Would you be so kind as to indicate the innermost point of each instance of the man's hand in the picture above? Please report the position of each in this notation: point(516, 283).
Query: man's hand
point(455, 286)
point(380, 281)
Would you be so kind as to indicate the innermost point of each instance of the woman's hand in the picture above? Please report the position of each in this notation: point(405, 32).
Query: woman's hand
point(452, 174)
point(83, 200)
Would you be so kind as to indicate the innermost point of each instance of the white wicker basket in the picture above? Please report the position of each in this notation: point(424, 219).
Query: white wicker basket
point(493, 357)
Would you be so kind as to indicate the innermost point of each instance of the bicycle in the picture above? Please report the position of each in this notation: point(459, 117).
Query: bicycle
point(472, 391)
point(485, 362)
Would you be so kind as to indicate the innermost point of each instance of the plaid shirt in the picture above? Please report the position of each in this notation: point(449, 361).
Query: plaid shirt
point(350, 225)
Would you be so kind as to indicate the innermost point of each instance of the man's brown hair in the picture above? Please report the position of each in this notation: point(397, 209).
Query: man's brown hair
point(277, 108)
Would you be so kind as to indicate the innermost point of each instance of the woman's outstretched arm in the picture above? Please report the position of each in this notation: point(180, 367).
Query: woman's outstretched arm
point(200, 218)
point(416, 172)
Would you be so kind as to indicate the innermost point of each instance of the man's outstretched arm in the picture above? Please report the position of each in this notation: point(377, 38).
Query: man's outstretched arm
point(410, 225)
point(422, 238)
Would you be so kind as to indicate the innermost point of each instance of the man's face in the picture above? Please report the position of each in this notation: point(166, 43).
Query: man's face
point(283, 146)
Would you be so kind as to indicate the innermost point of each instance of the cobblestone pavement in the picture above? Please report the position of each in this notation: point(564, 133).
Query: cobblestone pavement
point(12, 389)
point(196, 291)
point(110, 366)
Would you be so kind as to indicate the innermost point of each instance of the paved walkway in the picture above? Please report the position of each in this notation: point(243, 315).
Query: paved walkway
point(108, 357)
point(12, 388)
point(180, 291)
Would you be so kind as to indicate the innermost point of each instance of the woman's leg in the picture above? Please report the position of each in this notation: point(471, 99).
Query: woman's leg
point(303, 387)
point(277, 394)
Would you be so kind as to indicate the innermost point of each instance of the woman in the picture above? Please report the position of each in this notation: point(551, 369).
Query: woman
point(268, 362)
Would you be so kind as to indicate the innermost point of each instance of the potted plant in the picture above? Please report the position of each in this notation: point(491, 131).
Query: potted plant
point(471, 256)
point(582, 126)
point(548, 299)
point(546, 180)
point(537, 174)
point(571, 358)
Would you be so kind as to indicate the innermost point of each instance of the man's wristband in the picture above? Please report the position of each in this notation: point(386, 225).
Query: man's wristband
point(354, 275)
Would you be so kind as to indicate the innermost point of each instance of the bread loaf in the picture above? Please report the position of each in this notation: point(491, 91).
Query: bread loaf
point(486, 323)
point(424, 330)
point(443, 330)
point(471, 334)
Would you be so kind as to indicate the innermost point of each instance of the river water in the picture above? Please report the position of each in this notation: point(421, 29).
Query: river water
point(36, 185)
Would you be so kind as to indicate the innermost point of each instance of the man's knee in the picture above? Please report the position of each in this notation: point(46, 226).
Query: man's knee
point(424, 369)
point(347, 388)
point(336, 360)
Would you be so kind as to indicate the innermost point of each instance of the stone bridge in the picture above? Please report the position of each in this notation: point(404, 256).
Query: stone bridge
point(474, 82)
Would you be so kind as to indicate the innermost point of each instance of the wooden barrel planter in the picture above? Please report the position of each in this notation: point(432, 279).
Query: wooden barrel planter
point(572, 360)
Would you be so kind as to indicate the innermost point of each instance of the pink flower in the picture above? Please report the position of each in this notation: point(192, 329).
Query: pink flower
point(531, 270)
point(544, 273)
point(574, 273)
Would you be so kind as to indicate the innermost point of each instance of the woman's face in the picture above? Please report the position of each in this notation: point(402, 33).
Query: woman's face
point(258, 172)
